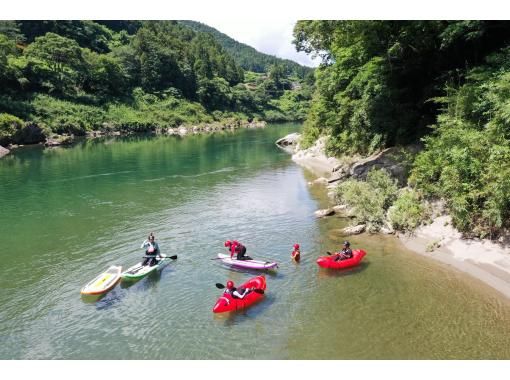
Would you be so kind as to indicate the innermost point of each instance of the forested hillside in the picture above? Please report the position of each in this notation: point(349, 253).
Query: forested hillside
point(386, 83)
point(246, 56)
point(75, 76)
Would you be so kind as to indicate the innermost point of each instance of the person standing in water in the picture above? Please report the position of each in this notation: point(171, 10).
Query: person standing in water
point(296, 253)
point(151, 249)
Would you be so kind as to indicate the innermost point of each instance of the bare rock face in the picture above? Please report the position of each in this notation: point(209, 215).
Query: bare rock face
point(324, 212)
point(354, 230)
point(392, 160)
point(3, 151)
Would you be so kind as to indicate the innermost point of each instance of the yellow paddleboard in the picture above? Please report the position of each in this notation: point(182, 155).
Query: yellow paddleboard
point(104, 282)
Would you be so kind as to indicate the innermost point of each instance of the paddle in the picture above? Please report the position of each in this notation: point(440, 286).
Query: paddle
point(134, 270)
point(221, 286)
point(171, 257)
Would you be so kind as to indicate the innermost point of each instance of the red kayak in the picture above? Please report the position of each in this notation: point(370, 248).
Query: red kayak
point(227, 303)
point(329, 261)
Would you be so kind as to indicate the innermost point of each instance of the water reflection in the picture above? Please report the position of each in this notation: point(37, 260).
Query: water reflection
point(329, 272)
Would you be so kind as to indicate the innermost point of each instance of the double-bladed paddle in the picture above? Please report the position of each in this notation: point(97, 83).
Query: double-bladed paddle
point(221, 286)
point(162, 258)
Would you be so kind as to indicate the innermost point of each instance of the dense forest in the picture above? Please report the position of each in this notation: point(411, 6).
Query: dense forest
point(246, 56)
point(75, 76)
point(388, 83)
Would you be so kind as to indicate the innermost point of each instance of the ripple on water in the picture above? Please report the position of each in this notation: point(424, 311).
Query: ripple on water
point(89, 209)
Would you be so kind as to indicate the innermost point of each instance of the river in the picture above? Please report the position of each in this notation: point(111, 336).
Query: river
point(66, 214)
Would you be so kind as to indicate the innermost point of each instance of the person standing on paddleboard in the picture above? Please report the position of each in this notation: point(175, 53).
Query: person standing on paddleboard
point(151, 249)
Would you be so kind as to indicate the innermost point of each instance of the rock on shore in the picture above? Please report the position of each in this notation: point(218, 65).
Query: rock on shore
point(324, 212)
point(354, 230)
point(3, 151)
point(315, 158)
point(393, 160)
point(59, 140)
point(183, 130)
point(289, 143)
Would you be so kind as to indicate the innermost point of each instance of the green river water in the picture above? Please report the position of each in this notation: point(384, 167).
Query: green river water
point(68, 214)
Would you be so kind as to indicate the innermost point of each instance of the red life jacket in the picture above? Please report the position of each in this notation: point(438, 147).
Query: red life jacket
point(233, 247)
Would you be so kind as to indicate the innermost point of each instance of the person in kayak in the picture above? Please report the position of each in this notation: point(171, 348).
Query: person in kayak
point(151, 249)
point(236, 293)
point(345, 253)
point(296, 253)
point(238, 249)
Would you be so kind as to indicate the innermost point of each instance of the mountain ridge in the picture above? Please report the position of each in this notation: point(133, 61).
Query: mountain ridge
point(245, 55)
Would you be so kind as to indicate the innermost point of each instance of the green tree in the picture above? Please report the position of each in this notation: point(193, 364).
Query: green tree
point(373, 87)
point(12, 31)
point(56, 62)
point(104, 74)
point(466, 158)
point(7, 48)
point(215, 93)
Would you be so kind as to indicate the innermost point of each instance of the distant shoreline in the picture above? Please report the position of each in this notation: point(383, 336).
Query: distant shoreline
point(57, 140)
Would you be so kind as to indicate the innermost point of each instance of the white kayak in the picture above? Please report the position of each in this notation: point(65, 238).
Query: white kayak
point(248, 264)
point(138, 271)
point(104, 282)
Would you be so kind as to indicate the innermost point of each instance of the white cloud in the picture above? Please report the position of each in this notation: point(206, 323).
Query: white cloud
point(267, 36)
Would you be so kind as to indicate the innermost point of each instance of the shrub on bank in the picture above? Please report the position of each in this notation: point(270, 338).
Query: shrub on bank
point(407, 212)
point(369, 199)
point(9, 126)
point(67, 117)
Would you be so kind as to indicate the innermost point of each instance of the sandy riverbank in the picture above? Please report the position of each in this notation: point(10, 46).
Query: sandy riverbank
point(486, 260)
point(483, 259)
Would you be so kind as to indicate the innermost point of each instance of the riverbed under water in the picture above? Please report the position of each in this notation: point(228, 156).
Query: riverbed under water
point(67, 214)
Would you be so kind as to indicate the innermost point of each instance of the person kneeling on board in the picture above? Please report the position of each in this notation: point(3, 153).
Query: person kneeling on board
point(345, 253)
point(238, 249)
point(236, 293)
point(151, 250)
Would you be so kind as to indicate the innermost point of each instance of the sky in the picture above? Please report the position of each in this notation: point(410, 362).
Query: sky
point(267, 36)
